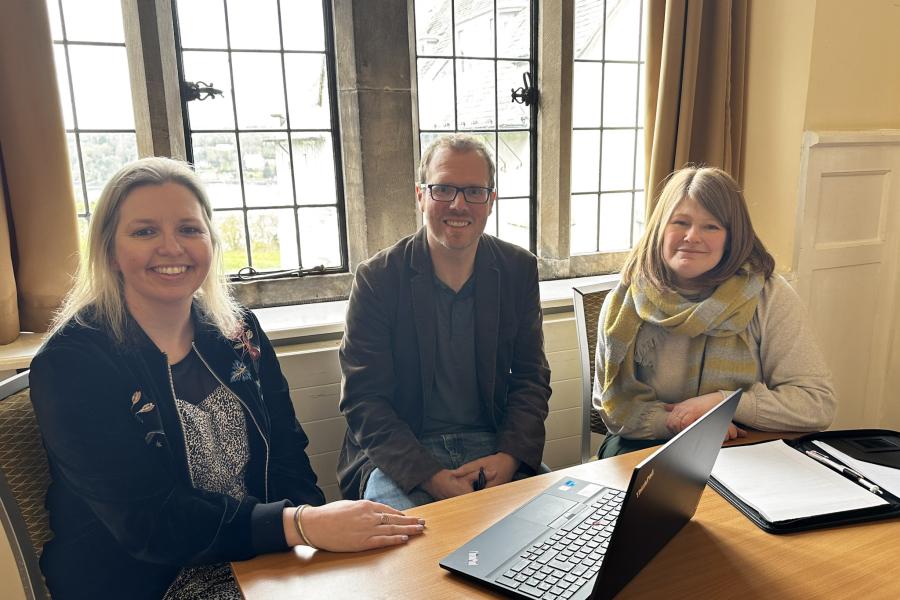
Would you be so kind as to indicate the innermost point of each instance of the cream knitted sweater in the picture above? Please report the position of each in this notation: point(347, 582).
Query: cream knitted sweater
point(793, 389)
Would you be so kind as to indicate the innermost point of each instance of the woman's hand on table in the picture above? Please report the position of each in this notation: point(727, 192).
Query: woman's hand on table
point(353, 525)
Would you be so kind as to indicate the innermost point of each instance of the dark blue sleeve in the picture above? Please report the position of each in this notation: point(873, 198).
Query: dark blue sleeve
point(267, 530)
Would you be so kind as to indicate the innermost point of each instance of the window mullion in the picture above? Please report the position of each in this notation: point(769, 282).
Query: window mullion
point(555, 47)
point(150, 45)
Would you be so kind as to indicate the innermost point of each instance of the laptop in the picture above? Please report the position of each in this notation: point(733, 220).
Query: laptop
point(582, 539)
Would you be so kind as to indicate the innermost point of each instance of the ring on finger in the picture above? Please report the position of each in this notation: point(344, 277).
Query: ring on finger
point(383, 518)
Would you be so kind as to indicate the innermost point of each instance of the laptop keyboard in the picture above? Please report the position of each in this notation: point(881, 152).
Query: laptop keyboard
point(561, 564)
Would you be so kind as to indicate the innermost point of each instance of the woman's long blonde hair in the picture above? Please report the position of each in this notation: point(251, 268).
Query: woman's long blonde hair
point(97, 296)
point(718, 194)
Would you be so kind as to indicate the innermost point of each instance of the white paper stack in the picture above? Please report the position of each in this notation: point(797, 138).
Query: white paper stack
point(782, 483)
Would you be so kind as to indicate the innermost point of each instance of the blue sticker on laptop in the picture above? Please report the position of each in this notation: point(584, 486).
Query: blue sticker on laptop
point(568, 485)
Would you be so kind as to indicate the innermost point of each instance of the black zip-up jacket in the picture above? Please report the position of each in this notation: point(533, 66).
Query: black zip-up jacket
point(122, 508)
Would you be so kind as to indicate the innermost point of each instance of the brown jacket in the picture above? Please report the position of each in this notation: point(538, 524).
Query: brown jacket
point(387, 360)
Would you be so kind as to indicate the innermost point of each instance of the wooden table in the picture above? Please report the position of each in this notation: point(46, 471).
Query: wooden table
point(719, 554)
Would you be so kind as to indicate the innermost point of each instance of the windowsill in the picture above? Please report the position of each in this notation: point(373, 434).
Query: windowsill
point(309, 322)
point(298, 323)
point(18, 354)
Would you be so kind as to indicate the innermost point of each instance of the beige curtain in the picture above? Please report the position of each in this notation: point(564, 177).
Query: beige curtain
point(38, 227)
point(696, 51)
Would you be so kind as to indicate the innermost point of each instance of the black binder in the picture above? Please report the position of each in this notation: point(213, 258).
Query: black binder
point(878, 446)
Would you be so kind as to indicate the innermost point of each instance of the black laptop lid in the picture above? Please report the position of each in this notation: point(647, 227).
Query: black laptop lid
point(662, 496)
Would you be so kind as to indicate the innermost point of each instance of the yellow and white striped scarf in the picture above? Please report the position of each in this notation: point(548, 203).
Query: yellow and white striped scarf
point(719, 351)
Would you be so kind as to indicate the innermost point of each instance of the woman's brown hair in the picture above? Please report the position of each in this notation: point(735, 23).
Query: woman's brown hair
point(718, 194)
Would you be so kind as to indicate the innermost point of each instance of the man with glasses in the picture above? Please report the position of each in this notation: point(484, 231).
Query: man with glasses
point(445, 385)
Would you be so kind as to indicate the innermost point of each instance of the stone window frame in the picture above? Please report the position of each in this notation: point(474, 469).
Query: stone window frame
point(377, 103)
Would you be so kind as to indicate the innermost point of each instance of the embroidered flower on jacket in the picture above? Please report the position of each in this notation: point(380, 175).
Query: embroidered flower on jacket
point(239, 371)
point(146, 408)
point(245, 344)
point(139, 407)
point(155, 437)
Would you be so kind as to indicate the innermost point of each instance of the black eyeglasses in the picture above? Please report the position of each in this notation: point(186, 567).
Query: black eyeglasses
point(442, 192)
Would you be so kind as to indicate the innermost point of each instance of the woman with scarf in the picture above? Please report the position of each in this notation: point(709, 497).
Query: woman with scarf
point(170, 433)
point(698, 314)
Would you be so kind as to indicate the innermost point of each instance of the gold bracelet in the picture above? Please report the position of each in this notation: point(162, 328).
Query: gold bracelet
point(299, 526)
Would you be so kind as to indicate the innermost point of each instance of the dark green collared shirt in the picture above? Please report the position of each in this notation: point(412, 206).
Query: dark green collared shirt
point(455, 404)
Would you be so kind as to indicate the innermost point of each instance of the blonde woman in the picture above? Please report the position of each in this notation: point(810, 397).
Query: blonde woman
point(699, 313)
point(170, 433)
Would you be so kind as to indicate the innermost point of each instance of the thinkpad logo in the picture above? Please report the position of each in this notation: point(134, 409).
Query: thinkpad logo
point(643, 485)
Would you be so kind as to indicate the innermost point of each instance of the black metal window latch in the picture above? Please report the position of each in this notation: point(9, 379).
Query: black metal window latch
point(527, 94)
point(198, 91)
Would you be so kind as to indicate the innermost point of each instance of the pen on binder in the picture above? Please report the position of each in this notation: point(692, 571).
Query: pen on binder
point(846, 471)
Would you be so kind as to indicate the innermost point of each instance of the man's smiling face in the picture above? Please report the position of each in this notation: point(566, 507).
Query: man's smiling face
point(455, 226)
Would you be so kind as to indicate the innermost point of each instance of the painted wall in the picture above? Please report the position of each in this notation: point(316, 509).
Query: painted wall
point(779, 46)
point(812, 65)
point(854, 77)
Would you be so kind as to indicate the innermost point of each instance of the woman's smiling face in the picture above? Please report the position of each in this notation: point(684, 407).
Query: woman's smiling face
point(163, 247)
point(693, 242)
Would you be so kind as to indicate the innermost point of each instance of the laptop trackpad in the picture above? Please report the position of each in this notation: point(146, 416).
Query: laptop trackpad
point(544, 509)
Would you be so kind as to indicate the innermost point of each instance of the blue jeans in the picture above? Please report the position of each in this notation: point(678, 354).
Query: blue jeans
point(451, 450)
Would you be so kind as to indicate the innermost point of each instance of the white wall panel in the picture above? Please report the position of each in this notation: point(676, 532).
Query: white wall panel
point(846, 342)
point(566, 394)
point(317, 402)
point(852, 207)
point(563, 423)
point(325, 466)
point(319, 362)
point(325, 435)
point(564, 364)
point(848, 234)
point(562, 452)
point(559, 332)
